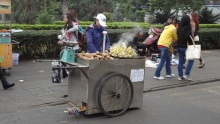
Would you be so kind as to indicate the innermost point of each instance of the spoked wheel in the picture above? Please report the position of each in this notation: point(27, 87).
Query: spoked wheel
point(115, 94)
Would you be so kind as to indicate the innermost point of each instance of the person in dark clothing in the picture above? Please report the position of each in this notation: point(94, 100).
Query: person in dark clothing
point(5, 83)
point(138, 45)
point(184, 32)
point(94, 35)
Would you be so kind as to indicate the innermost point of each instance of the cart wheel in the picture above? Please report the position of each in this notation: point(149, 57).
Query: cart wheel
point(115, 94)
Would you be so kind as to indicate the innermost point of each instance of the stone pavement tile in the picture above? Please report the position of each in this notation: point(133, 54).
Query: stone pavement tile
point(16, 93)
point(38, 92)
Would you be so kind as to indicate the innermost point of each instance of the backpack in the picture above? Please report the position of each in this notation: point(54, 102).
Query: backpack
point(82, 40)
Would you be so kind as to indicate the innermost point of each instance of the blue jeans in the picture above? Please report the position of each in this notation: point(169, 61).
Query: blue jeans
point(165, 57)
point(182, 56)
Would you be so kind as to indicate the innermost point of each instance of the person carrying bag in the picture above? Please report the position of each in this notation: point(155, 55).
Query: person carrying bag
point(184, 38)
point(195, 29)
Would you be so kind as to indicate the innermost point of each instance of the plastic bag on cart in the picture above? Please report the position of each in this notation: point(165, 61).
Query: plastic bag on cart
point(58, 74)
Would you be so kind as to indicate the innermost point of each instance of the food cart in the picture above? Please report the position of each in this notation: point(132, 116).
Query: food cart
point(5, 39)
point(99, 83)
point(107, 86)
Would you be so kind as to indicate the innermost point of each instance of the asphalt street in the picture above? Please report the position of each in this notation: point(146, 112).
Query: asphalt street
point(37, 100)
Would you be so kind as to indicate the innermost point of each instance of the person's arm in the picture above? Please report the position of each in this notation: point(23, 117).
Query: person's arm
point(74, 28)
point(89, 40)
point(175, 37)
point(107, 43)
point(187, 36)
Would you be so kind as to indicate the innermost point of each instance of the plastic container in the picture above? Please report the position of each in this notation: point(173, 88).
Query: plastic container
point(15, 58)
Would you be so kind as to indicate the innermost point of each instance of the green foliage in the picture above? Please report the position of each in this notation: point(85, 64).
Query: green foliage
point(45, 41)
point(25, 11)
point(176, 5)
point(45, 18)
point(162, 16)
point(207, 17)
point(210, 39)
point(110, 25)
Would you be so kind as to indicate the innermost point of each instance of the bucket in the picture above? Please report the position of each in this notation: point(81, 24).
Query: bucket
point(15, 58)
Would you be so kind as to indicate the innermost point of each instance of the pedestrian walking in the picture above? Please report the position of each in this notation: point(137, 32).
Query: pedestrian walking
point(5, 83)
point(165, 41)
point(195, 29)
point(184, 33)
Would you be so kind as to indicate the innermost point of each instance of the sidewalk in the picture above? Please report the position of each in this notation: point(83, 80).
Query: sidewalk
point(209, 73)
point(37, 88)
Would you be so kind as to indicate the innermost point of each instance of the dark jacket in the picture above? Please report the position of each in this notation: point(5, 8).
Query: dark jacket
point(137, 44)
point(94, 39)
point(184, 32)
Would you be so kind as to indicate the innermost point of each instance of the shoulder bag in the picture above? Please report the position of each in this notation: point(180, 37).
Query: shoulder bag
point(193, 52)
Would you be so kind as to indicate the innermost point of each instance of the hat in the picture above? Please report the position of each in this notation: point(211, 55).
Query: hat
point(102, 19)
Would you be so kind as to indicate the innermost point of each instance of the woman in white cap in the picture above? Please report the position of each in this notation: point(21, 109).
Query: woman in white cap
point(94, 35)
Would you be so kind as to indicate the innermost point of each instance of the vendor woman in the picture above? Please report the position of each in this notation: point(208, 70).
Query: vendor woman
point(94, 35)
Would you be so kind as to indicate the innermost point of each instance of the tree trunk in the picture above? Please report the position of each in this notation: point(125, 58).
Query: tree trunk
point(64, 6)
point(45, 5)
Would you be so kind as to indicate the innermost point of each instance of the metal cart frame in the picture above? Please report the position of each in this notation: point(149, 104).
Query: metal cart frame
point(107, 86)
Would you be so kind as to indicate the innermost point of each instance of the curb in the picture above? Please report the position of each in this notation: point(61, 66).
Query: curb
point(188, 83)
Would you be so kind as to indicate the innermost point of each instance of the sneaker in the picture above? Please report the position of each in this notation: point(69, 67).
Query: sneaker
point(159, 78)
point(201, 65)
point(187, 77)
point(169, 76)
point(180, 78)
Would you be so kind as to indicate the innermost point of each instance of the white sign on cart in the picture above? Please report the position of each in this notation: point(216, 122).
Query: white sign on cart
point(137, 75)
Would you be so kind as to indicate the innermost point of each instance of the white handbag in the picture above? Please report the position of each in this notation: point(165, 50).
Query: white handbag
point(193, 52)
point(196, 38)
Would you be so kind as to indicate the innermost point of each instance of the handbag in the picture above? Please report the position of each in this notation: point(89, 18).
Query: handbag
point(196, 38)
point(193, 52)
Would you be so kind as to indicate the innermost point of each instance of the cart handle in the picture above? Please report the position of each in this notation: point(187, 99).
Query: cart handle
point(15, 42)
point(74, 67)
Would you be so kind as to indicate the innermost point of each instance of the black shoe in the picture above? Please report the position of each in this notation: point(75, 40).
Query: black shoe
point(201, 65)
point(6, 84)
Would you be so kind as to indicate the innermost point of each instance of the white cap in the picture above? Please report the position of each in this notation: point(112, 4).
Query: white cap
point(102, 19)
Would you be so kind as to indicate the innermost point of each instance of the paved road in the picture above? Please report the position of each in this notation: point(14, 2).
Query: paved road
point(37, 100)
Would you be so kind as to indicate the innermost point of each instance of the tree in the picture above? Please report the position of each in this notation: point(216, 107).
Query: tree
point(161, 16)
point(207, 17)
point(176, 5)
point(47, 11)
point(87, 9)
point(25, 11)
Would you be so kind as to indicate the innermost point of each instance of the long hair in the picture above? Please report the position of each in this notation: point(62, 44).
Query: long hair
point(184, 23)
point(195, 18)
point(73, 12)
point(69, 23)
